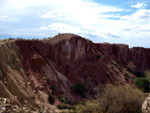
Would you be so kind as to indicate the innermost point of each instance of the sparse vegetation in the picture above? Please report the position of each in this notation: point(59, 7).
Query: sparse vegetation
point(51, 99)
point(64, 106)
point(131, 67)
point(88, 107)
point(120, 99)
point(61, 98)
point(113, 99)
point(126, 75)
point(143, 84)
point(147, 74)
point(79, 89)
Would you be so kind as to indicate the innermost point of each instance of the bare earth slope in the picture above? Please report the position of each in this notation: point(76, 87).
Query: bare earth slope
point(31, 69)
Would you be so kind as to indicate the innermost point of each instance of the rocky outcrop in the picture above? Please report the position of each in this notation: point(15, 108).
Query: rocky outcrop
point(14, 82)
point(141, 57)
point(146, 105)
point(7, 107)
point(31, 69)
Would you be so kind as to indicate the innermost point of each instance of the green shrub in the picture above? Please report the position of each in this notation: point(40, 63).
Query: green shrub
point(113, 99)
point(88, 107)
point(64, 106)
point(51, 99)
point(143, 84)
point(120, 99)
point(147, 74)
point(61, 98)
point(79, 89)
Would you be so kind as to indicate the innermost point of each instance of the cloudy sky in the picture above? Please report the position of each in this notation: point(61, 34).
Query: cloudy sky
point(114, 21)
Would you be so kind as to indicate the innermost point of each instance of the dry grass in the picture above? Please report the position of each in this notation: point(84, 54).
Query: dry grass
point(113, 99)
point(87, 107)
point(120, 99)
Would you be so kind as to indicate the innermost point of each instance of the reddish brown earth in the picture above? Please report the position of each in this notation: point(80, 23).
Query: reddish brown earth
point(57, 64)
point(63, 63)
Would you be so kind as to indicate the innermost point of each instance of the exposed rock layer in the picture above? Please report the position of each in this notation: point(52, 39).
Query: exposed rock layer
point(30, 69)
point(146, 105)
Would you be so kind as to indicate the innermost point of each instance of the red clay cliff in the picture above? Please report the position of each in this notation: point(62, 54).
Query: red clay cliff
point(59, 63)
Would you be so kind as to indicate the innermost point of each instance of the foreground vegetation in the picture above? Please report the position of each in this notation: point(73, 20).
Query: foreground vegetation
point(143, 83)
point(112, 99)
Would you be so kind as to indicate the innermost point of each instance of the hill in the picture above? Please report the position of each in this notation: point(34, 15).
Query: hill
point(30, 70)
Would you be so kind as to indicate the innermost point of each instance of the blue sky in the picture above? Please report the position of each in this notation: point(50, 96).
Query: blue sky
point(114, 21)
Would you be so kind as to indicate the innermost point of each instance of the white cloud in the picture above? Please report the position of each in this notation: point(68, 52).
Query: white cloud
point(55, 14)
point(82, 12)
point(139, 5)
point(142, 15)
point(61, 27)
point(81, 17)
point(6, 18)
point(137, 24)
point(3, 16)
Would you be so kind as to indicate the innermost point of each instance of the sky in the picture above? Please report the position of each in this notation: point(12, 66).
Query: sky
point(113, 21)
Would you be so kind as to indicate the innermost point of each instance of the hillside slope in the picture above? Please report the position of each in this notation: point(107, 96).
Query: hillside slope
point(31, 69)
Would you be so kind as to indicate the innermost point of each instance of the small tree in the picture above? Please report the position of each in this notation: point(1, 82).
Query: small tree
point(143, 84)
point(79, 89)
point(51, 99)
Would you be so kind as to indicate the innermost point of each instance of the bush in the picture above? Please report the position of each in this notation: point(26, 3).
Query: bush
point(147, 74)
point(120, 99)
point(113, 99)
point(131, 67)
point(79, 89)
point(61, 98)
point(51, 99)
point(88, 107)
point(64, 106)
point(143, 84)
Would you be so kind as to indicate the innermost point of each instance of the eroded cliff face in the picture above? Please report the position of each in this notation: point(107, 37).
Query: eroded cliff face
point(30, 69)
point(141, 57)
point(13, 80)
